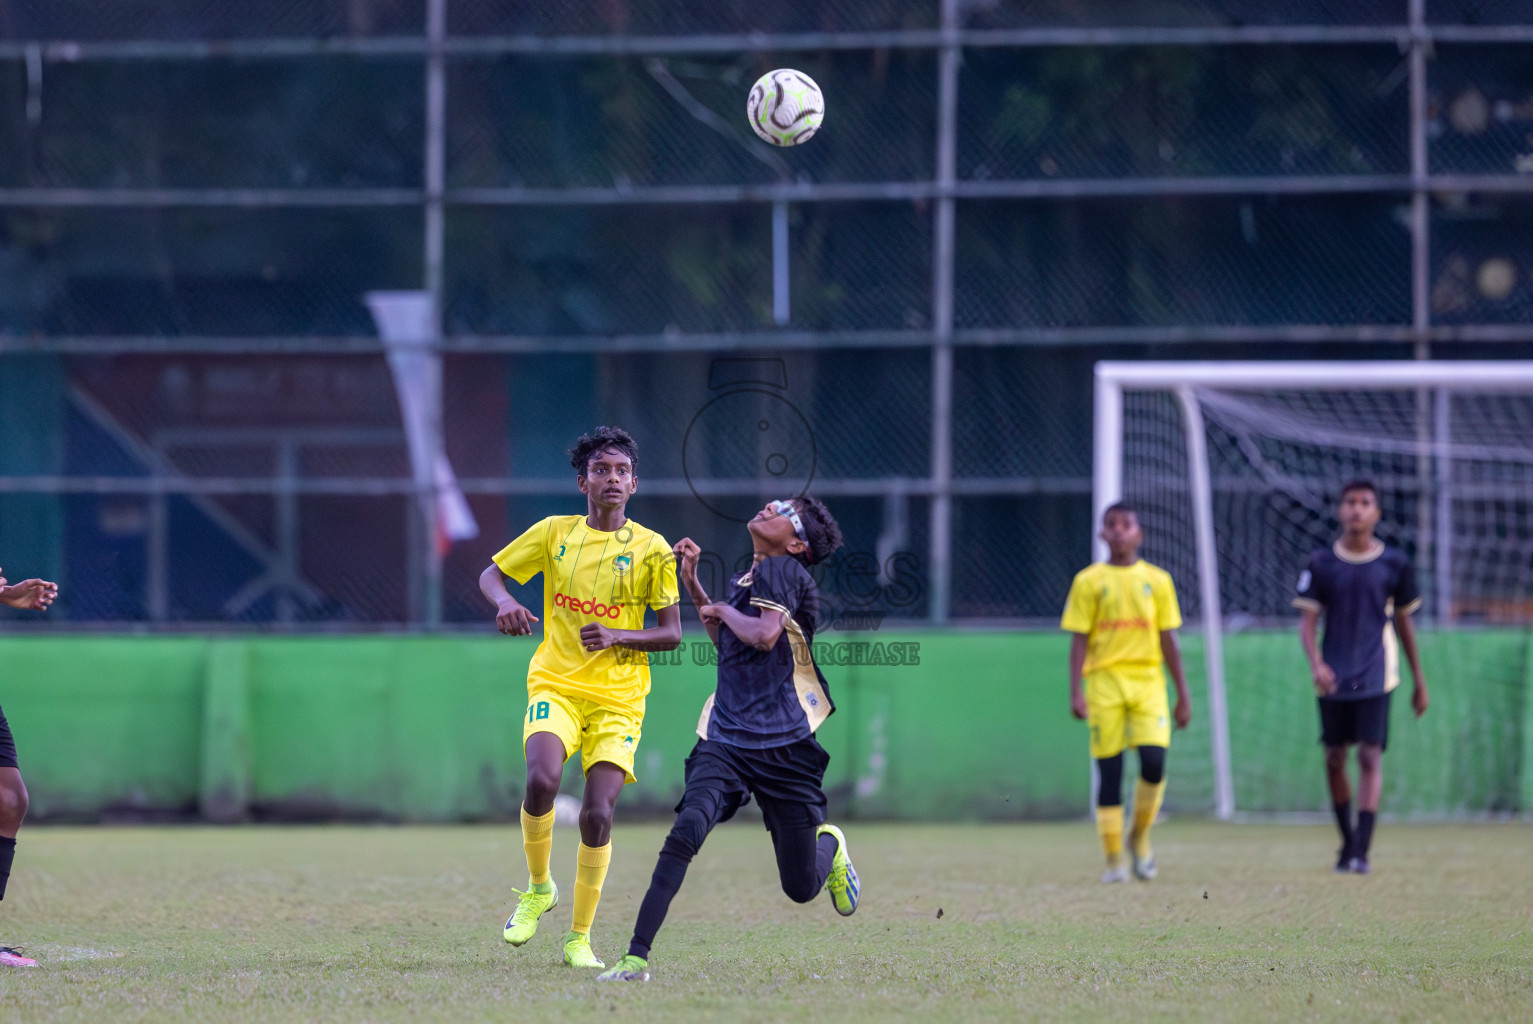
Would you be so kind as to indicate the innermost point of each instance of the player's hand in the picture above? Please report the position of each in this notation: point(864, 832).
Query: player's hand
point(1182, 715)
point(687, 553)
point(514, 620)
point(712, 614)
point(597, 637)
point(1419, 699)
point(1078, 704)
point(1325, 679)
point(29, 595)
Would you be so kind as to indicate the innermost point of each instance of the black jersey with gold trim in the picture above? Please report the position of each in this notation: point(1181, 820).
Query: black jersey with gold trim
point(775, 697)
point(1358, 595)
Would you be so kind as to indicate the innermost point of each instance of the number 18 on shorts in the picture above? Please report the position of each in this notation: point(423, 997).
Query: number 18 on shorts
point(599, 733)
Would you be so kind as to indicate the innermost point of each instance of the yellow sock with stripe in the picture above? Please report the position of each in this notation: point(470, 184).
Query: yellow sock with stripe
point(1147, 797)
point(538, 841)
point(1110, 828)
point(590, 872)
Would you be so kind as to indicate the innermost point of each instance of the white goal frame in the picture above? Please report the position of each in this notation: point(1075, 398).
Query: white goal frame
point(1182, 380)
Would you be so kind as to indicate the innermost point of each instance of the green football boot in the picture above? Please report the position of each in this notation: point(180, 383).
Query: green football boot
point(842, 881)
point(630, 968)
point(531, 905)
point(577, 951)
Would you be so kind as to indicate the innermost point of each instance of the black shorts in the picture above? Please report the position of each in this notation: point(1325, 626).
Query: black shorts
point(786, 782)
point(1355, 721)
point(7, 744)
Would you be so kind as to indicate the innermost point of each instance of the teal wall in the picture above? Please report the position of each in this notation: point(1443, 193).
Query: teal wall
point(429, 728)
point(32, 413)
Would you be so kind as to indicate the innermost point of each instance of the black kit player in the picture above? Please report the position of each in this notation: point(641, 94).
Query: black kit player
point(28, 595)
point(1367, 592)
point(757, 730)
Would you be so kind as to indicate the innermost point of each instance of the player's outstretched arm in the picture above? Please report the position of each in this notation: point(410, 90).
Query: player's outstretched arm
point(1406, 629)
point(1309, 627)
point(1077, 665)
point(511, 618)
point(665, 635)
point(1171, 651)
point(28, 595)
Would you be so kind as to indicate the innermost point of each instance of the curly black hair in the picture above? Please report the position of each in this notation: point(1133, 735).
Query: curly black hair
point(822, 531)
point(600, 440)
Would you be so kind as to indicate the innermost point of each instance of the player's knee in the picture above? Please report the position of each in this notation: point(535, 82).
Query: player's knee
point(13, 805)
point(800, 889)
point(1152, 764)
point(1369, 756)
point(595, 819)
point(1335, 759)
point(542, 784)
point(1110, 781)
point(687, 833)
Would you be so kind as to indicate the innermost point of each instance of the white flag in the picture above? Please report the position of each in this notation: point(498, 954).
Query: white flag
point(405, 323)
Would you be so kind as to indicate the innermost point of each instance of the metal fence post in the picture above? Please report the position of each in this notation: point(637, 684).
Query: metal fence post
point(1427, 531)
point(435, 231)
point(941, 545)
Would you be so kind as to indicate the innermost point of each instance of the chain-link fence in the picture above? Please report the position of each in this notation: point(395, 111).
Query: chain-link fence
point(200, 424)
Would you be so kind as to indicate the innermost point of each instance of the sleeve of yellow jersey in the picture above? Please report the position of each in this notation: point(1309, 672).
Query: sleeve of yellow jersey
point(1080, 607)
point(663, 591)
point(1168, 615)
point(526, 556)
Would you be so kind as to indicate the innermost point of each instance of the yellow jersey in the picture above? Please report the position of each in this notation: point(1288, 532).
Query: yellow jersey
point(592, 576)
point(1122, 609)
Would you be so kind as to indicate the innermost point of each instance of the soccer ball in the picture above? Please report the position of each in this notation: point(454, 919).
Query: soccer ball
point(785, 107)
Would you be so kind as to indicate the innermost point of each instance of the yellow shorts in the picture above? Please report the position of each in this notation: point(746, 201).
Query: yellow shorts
point(1126, 707)
point(599, 733)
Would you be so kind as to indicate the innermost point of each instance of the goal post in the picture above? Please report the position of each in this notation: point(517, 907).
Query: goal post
point(1235, 467)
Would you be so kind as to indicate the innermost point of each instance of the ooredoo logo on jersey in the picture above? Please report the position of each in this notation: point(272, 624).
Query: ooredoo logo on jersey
point(588, 607)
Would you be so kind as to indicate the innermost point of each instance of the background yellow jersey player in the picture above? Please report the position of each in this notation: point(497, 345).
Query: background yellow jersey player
point(586, 684)
point(1124, 615)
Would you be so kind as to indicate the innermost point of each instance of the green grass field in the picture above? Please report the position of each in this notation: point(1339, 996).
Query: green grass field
point(958, 923)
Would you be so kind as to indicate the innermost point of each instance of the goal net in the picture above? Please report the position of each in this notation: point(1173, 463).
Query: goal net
point(1235, 469)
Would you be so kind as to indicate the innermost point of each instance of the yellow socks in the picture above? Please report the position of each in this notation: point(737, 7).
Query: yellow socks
point(1110, 828)
point(590, 867)
point(1147, 797)
point(538, 841)
point(590, 872)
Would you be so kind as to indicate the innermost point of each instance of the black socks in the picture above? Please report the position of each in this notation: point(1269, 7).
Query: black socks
point(825, 848)
point(670, 872)
point(1344, 824)
point(7, 854)
point(1364, 834)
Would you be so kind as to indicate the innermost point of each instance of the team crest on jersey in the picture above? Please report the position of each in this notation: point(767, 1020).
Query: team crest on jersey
point(621, 564)
point(560, 556)
point(1148, 590)
point(1304, 581)
point(814, 701)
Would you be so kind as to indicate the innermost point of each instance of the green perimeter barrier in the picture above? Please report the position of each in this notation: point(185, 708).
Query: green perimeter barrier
point(961, 725)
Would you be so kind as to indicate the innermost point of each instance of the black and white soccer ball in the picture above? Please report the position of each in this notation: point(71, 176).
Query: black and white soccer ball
point(785, 107)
